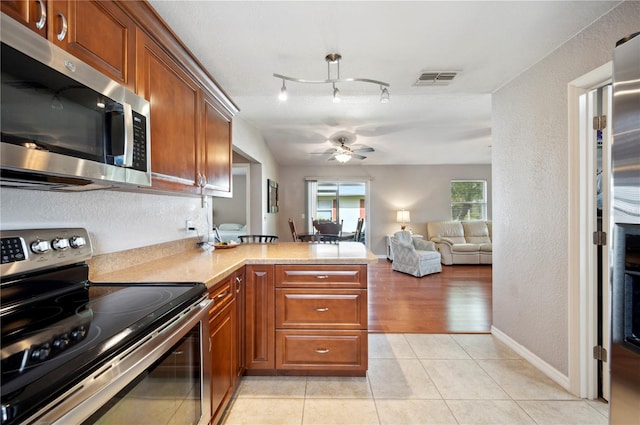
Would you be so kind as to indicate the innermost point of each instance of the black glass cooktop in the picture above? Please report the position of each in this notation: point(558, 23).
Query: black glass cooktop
point(54, 337)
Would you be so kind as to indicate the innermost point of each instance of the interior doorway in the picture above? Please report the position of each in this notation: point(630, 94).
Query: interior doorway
point(589, 180)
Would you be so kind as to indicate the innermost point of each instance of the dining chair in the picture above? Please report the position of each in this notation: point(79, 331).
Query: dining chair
point(258, 239)
point(292, 227)
point(357, 235)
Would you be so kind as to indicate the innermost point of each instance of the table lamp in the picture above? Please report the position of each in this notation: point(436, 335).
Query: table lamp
point(403, 217)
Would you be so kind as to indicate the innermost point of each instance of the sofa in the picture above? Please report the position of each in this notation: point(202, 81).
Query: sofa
point(414, 256)
point(462, 242)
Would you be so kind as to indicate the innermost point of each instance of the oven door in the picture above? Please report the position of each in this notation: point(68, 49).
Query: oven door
point(163, 379)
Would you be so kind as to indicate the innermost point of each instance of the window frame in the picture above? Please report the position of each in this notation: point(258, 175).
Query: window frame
point(482, 203)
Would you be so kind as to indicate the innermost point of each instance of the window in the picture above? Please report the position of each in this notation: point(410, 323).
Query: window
point(468, 200)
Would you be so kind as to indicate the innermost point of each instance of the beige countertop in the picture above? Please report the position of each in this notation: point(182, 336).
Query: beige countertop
point(200, 265)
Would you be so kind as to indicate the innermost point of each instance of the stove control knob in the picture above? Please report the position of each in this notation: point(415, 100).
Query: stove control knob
point(78, 333)
point(60, 244)
point(41, 353)
point(40, 246)
point(77, 241)
point(61, 342)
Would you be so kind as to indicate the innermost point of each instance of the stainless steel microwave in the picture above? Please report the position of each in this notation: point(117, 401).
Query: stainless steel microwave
point(63, 124)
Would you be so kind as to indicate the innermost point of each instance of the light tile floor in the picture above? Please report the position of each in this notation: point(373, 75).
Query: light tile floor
point(419, 379)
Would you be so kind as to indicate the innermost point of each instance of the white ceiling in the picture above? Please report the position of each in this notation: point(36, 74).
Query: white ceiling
point(242, 43)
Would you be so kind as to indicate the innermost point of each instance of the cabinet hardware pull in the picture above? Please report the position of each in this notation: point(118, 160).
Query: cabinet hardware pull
point(322, 276)
point(43, 16)
point(238, 279)
point(322, 350)
point(63, 32)
point(322, 309)
point(224, 294)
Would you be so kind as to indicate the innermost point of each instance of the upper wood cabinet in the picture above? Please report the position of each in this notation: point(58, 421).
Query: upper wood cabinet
point(190, 120)
point(216, 147)
point(31, 13)
point(174, 100)
point(96, 32)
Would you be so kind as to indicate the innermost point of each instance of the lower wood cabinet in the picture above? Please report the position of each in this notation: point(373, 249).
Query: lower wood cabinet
point(226, 332)
point(307, 320)
point(260, 324)
point(223, 374)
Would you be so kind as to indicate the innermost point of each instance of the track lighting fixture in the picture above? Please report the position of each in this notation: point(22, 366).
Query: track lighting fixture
point(334, 59)
point(336, 94)
point(384, 95)
point(283, 92)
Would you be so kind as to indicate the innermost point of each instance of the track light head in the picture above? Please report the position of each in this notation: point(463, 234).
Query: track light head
point(283, 92)
point(336, 94)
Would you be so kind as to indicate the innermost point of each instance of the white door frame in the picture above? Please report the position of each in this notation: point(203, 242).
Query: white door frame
point(582, 271)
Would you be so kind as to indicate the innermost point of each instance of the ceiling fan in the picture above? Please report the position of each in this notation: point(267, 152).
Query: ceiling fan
point(343, 152)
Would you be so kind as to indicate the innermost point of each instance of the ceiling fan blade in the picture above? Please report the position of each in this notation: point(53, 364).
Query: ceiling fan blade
point(327, 152)
point(363, 149)
point(356, 156)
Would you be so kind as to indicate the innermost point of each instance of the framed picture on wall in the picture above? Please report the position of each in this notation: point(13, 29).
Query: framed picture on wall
point(272, 196)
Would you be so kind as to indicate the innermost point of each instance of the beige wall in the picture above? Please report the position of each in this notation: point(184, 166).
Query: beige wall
point(249, 143)
point(531, 192)
point(422, 189)
point(232, 210)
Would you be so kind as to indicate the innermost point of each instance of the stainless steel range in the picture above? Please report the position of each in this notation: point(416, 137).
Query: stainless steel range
point(73, 351)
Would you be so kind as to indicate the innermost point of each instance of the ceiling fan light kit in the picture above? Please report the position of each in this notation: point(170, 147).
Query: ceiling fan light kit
point(334, 59)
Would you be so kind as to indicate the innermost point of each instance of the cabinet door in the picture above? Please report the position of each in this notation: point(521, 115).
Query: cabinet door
point(222, 331)
point(31, 13)
point(260, 325)
point(173, 97)
point(216, 148)
point(97, 32)
point(240, 322)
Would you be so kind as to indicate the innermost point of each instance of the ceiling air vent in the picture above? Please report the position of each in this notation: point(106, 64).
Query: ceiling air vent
point(435, 78)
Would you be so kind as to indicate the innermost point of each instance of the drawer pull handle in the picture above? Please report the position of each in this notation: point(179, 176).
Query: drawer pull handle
point(322, 276)
point(322, 350)
point(224, 294)
point(322, 309)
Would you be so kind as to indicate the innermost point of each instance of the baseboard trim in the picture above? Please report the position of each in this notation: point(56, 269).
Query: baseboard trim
point(536, 361)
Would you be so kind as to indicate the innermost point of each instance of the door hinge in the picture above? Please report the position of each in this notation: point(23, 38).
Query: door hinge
point(600, 353)
point(600, 122)
point(600, 238)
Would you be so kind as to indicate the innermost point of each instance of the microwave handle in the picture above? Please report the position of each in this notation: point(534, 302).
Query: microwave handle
point(128, 135)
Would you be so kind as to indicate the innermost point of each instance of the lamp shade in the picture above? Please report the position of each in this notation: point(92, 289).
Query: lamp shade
point(403, 216)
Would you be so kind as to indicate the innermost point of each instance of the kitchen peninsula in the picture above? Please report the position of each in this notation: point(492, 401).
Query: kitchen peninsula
point(279, 309)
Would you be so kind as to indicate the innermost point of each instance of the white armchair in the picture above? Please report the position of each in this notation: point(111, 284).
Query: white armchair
point(414, 256)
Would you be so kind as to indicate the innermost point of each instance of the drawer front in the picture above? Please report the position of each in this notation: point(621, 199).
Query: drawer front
point(329, 276)
point(221, 294)
point(321, 350)
point(317, 308)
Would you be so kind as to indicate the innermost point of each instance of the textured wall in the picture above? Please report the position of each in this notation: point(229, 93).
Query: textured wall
point(530, 188)
point(232, 210)
point(115, 220)
point(422, 189)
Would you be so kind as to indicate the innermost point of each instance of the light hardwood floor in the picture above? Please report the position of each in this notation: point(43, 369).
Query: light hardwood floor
point(457, 300)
